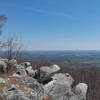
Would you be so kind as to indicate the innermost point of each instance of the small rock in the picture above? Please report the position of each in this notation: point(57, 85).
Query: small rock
point(4, 60)
point(12, 62)
point(20, 72)
point(30, 71)
point(3, 66)
point(2, 81)
point(26, 64)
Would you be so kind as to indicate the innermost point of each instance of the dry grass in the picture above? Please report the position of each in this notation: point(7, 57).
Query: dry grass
point(13, 80)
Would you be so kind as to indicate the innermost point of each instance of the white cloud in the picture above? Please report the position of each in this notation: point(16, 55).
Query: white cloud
point(41, 11)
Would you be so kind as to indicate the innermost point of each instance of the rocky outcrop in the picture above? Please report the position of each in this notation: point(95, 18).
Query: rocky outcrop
point(45, 83)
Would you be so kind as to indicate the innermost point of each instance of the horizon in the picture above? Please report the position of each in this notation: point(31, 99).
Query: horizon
point(53, 25)
point(52, 50)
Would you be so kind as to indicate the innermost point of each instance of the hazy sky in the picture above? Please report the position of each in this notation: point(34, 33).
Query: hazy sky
point(53, 24)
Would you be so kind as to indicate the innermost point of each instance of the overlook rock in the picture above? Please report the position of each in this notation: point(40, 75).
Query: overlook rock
point(45, 83)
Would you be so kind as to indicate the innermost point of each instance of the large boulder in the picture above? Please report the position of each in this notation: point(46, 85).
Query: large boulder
point(59, 79)
point(59, 86)
point(46, 72)
point(64, 96)
point(80, 90)
point(50, 69)
point(63, 79)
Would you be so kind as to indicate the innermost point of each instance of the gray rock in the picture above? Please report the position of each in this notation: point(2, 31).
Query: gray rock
point(37, 88)
point(31, 83)
point(2, 81)
point(16, 66)
point(27, 80)
point(26, 64)
point(12, 93)
point(30, 71)
point(16, 75)
point(49, 86)
point(50, 69)
point(46, 73)
point(20, 72)
point(59, 87)
point(80, 90)
point(4, 60)
point(62, 93)
point(3, 66)
point(12, 61)
point(63, 79)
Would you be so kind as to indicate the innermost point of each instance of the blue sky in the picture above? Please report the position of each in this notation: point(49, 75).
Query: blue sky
point(53, 24)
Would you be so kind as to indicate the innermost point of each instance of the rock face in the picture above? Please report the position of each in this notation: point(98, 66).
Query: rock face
point(45, 83)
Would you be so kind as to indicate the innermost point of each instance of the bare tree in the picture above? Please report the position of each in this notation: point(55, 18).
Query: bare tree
point(3, 19)
point(13, 48)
